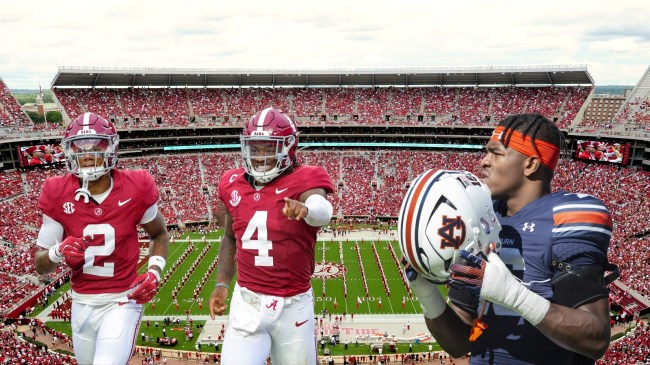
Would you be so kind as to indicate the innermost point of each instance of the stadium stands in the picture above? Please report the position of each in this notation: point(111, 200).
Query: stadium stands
point(10, 113)
point(633, 348)
point(175, 107)
point(14, 349)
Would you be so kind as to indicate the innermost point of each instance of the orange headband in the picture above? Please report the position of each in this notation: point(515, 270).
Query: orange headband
point(545, 151)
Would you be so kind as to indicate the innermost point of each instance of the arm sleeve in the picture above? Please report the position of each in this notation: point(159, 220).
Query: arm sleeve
point(50, 233)
point(149, 214)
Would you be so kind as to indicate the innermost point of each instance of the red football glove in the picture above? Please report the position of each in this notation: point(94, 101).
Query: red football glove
point(71, 249)
point(145, 287)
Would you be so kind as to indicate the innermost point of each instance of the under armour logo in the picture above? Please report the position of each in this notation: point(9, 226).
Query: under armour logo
point(273, 304)
point(530, 227)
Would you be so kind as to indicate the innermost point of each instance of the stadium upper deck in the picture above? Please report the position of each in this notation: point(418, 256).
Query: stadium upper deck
point(161, 107)
point(451, 76)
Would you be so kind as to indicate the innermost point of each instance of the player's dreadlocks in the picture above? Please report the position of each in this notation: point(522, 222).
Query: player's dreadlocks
point(536, 127)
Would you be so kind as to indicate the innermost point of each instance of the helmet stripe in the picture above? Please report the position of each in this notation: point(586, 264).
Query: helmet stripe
point(262, 118)
point(410, 215)
point(86, 121)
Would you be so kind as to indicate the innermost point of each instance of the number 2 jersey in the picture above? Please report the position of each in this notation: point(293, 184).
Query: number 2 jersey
point(111, 257)
point(570, 228)
point(275, 255)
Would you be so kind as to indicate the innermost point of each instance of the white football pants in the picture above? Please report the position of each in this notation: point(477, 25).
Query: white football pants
point(259, 324)
point(105, 334)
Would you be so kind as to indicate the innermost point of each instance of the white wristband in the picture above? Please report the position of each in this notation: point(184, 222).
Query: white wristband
point(54, 254)
point(158, 261)
point(223, 285)
point(320, 210)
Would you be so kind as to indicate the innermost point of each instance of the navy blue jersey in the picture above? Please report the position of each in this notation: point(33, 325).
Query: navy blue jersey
point(572, 228)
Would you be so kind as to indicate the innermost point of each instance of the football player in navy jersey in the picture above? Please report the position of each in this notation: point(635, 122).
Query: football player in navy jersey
point(542, 299)
point(274, 209)
point(90, 220)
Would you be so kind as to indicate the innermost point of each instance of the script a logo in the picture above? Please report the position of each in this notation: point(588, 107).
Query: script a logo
point(235, 198)
point(273, 305)
point(450, 226)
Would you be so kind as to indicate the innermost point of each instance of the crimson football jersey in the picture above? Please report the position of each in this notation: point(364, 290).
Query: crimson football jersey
point(111, 257)
point(275, 255)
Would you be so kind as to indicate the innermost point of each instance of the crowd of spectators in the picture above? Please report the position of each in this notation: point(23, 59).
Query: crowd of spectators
point(10, 185)
point(14, 349)
point(633, 348)
point(635, 112)
point(10, 113)
point(167, 107)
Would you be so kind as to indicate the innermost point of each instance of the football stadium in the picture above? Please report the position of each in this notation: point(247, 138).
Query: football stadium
point(374, 131)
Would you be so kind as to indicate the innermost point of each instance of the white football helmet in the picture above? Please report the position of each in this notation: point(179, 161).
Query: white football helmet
point(444, 212)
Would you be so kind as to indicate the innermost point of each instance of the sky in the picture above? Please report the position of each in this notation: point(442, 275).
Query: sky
point(611, 37)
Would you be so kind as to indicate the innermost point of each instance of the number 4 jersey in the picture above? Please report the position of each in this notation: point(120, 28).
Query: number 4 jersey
point(111, 257)
point(275, 255)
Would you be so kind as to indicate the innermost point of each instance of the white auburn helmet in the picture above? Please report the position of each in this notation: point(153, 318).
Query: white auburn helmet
point(444, 212)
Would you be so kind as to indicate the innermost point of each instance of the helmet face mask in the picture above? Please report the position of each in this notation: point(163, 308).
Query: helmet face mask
point(444, 212)
point(90, 144)
point(268, 144)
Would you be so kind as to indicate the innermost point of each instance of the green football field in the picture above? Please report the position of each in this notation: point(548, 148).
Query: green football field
point(328, 281)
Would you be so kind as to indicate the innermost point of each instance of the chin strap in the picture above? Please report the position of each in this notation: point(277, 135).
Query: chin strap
point(83, 190)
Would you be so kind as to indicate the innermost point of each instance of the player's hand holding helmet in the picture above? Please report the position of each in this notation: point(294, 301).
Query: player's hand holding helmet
point(443, 212)
point(145, 287)
point(491, 277)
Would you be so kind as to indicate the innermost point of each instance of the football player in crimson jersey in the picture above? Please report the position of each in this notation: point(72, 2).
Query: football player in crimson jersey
point(274, 208)
point(90, 219)
point(542, 299)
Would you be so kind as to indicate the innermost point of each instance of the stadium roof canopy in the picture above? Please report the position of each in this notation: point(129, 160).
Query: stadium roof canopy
point(543, 75)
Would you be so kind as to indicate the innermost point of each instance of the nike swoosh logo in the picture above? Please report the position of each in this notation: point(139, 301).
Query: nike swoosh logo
point(298, 324)
point(278, 191)
point(120, 203)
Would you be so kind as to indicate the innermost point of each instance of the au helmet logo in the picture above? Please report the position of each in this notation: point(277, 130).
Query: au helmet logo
point(452, 232)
